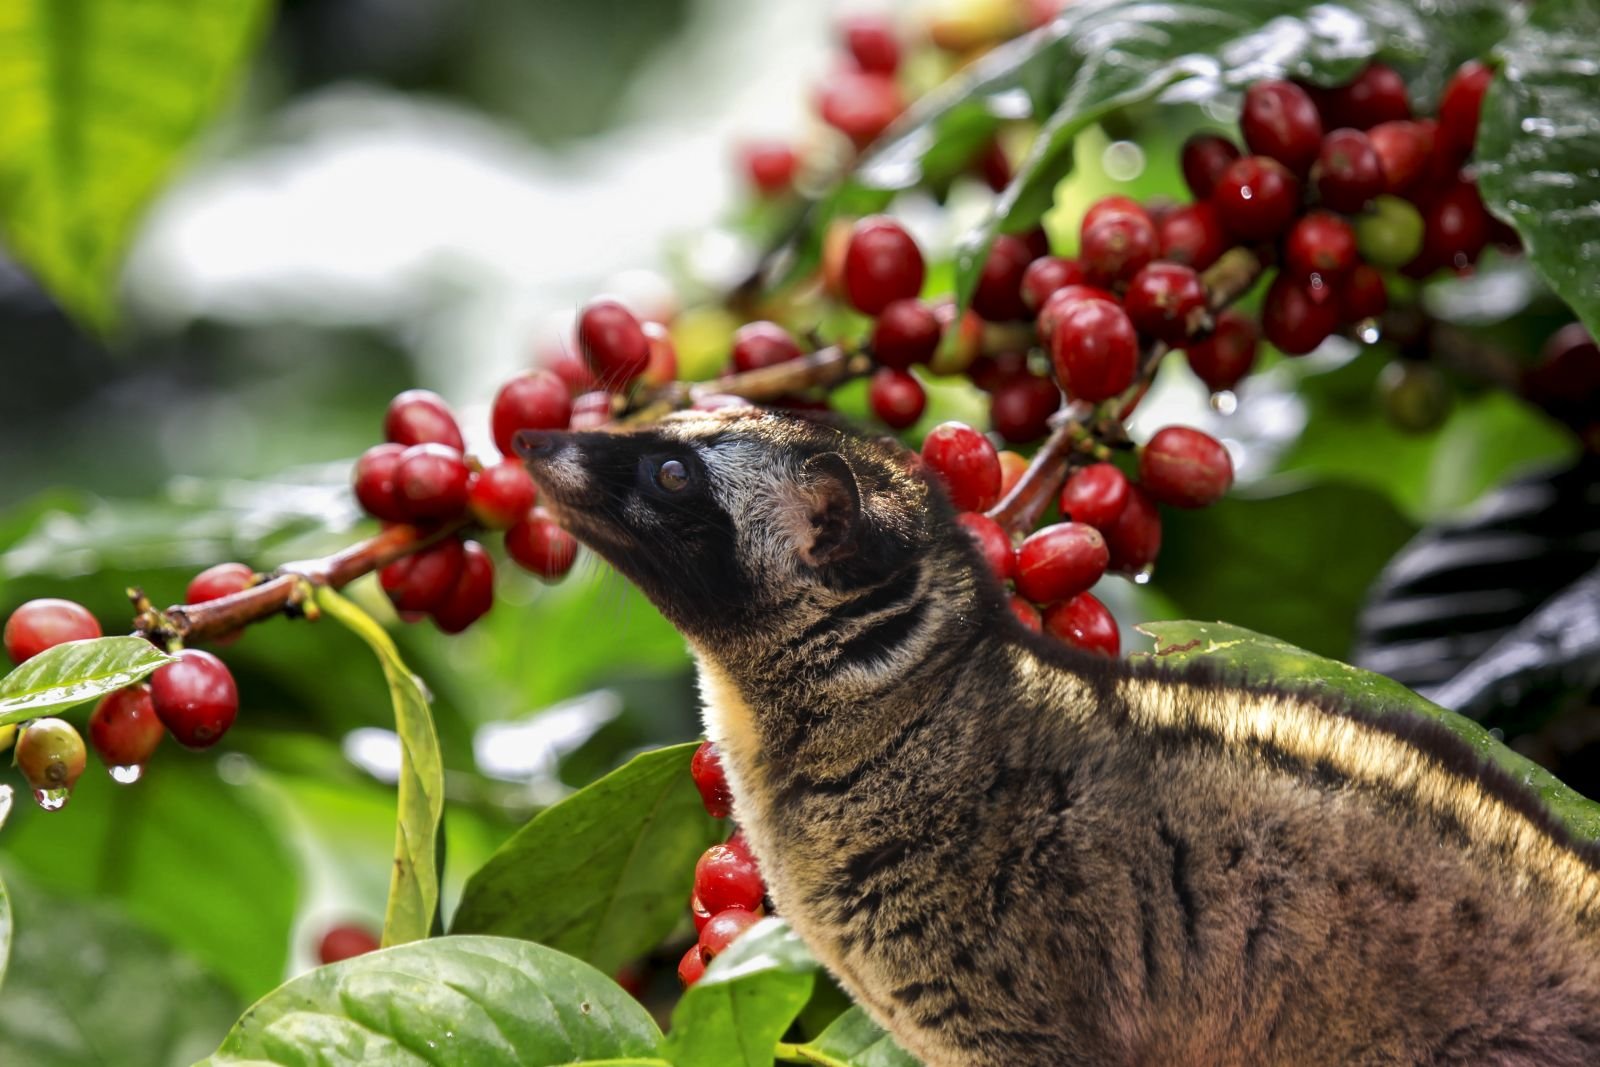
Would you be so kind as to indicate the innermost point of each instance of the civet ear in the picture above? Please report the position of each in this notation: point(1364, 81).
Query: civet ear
point(832, 502)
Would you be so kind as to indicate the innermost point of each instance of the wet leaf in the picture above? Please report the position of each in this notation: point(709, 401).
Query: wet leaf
point(413, 911)
point(735, 1015)
point(101, 98)
point(1538, 151)
point(606, 873)
point(854, 1040)
point(484, 1001)
point(74, 673)
point(1267, 659)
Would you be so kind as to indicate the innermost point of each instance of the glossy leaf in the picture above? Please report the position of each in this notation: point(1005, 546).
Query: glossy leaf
point(1267, 659)
point(1538, 151)
point(413, 910)
point(189, 855)
point(735, 1015)
point(1236, 559)
point(74, 673)
point(87, 986)
point(854, 1040)
point(485, 1001)
point(101, 97)
point(606, 873)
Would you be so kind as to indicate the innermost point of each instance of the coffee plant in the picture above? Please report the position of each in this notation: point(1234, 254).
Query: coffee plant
point(1378, 218)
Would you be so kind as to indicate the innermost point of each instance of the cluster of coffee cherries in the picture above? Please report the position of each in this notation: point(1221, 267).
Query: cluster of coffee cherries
point(729, 894)
point(194, 699)
point(422, 476)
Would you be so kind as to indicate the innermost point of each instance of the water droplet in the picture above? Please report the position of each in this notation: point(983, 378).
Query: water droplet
point(1369, 331)
point(129, 774)
point(1224, 402)
point(51, 799)
point(1143, 576)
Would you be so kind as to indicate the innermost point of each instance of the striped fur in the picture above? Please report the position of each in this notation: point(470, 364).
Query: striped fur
point(1014, 853)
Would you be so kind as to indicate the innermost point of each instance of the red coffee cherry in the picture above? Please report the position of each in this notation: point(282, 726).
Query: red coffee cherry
point(1083, 622)
point(374, 482)
point(692, 967)
point(195, 698)
point(124, 728)
point(1095, 495)
point(472, 595)
point(1348, 173)
point(431, 482)
point(346, 941)
point(1459, 109)
point(1095, 350)
point(991, 541)
point(1403, 150)
point(1279, 120)
point(1192, 235)
point(1297, 317)
point(663, 366)
point(537, 400)
point(907, 332)
point(896, 397)
point(1047, 274)
point(966, 462)
point(612, 342)
point(1257, 198)
point(1227, 355)
point(770, 167)
point(45, 623)
point(1027, 614)
point(712, 781)
point(1320, 243)
point(1013, 465)
point(728, 878)
point(994, 369)
point(1117, 245)
point(50, 754)
point(997, 296)
point(1377, 94)
point(762, 344)
point(569, 367)
point(215, 582)
point(1166, 301)
point(871, 42)
point(1134, 540)
point(860, 105)
point(419, 417)
point(882, 264)
point(540, 546)
point(1362, 294)
point(502, 494)
point(1566, 379)
point(1185, 468)
point(1056, 305)
point(723, 928)
point(1060, 561)
point(422, 580)
point(1204, 157)
point(1455, 227)
point(1108, 206)
point(1020, 409)
point(591, 411)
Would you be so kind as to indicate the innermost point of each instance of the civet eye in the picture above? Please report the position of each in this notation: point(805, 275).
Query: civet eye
point(672, 475)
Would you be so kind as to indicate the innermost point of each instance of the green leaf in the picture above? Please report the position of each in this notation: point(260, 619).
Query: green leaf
point(1101, 56)
point(1267, 659)
point(455, 1000)
point(186, 853)
point(74, 673)
point(414, 884)
point(1538, 150)
point(1240, 558)
point(854, 1040)
point(603, 875)
point(101, 97)
point(86, 986)
point(735, 1015)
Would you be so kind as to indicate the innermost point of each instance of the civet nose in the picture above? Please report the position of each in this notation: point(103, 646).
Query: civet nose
point(536, 444)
